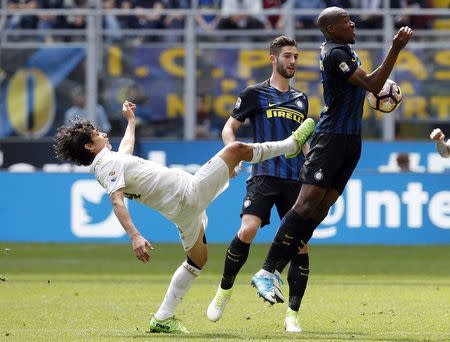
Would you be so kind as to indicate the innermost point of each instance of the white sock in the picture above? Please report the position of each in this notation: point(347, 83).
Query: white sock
point(267, 150)
point(264, 273)
point(181, 282)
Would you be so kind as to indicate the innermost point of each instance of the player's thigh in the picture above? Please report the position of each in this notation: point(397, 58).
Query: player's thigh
point(324, 160)
point(353, 153)
point(288, 194)
point(260, 198)
point(208, 182)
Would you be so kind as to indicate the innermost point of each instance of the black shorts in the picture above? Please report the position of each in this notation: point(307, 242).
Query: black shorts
point(331, 160)
point(263, 192)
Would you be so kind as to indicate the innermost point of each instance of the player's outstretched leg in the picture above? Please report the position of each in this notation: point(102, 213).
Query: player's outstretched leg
point(301, 135)
point(264, 283)
point(169, 326)
point(217, 306)
point(291, 323)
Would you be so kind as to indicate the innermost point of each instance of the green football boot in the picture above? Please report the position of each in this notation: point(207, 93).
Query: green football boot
point(169, 326)
point(301, 135)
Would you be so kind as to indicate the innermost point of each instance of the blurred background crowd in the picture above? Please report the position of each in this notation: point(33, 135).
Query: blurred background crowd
point(184, 62)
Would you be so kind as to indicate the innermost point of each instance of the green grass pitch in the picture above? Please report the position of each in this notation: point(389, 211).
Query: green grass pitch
point(58, 292)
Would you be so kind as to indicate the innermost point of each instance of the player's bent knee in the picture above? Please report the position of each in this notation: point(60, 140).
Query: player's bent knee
point(247, 233)
point(240, 150)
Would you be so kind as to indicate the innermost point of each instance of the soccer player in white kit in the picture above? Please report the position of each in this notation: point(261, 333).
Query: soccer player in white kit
point(442, 147)
point(178, 195)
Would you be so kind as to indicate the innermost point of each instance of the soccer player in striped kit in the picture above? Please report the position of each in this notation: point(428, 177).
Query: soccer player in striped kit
point(335, 146)
point(274, 109)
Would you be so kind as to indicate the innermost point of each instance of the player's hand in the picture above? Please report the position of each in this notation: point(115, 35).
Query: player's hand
point(140, 246)
point(402, 38)
point(437, 135)
point(236, 170)
point(128, 110)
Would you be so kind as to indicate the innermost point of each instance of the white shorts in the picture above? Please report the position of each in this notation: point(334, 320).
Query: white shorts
point(204, 186)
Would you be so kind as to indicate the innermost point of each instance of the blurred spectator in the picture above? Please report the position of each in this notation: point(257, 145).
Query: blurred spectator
point(78, 108)
point(233, 19)
point(413, 21)
point(274, 20)
point(338, 3)
point(208, 22)
point(369, 20)
point(403, 162)
point(111, 23)
point(152, 19)
point(307, 21)
point(76, 21)
point(18, 21)
point(175, 21)
point(203, 130)
point(51, 22)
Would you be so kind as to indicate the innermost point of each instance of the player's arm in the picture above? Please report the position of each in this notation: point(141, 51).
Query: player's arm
point(443, 147)
point(374, 81)
point(127, 144)
point(138, 242)
point(230, 129)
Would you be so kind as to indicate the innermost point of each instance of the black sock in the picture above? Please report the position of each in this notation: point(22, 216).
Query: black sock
point(294, 233)
point(235, 258)
point(297, 279)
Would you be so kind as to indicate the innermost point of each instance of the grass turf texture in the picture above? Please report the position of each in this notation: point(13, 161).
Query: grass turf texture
point(57, 292)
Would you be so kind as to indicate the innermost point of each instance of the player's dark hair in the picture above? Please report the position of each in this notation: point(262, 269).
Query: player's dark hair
point(278, 43)
point(70, 140)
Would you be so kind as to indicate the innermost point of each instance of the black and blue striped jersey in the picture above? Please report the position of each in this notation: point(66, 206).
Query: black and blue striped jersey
point(273, 115)
point(343, 109)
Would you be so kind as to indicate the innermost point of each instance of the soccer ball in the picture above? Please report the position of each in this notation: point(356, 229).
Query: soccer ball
point(387, 99)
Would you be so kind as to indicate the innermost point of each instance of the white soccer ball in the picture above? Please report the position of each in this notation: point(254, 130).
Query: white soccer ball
point(388, 99)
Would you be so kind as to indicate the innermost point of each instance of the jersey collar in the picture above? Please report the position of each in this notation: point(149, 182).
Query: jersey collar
point(97, 158)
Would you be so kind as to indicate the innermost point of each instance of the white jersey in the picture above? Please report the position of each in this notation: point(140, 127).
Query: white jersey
point(154, 185)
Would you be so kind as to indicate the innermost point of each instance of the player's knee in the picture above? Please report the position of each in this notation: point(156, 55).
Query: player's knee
point(247, 233)
point(239, 149)
point(199, 262)
point(305, 210)
point(321, 213)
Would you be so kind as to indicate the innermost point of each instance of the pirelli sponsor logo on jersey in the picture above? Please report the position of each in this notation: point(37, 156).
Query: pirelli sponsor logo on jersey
point(283, 112)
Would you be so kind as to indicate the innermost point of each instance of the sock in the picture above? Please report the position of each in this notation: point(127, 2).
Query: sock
point(294, 233)
point(181, 282)
point(267, 150)
point(297, 279)
point(235, 258)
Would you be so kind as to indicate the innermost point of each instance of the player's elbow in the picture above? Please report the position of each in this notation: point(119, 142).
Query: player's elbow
point(117, 201)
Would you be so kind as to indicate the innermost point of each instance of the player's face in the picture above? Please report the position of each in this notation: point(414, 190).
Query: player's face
point(99, 141)
point(345, 29)
point(287, 61)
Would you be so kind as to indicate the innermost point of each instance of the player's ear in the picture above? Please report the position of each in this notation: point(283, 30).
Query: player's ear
point(89, 146)
point(272, 58)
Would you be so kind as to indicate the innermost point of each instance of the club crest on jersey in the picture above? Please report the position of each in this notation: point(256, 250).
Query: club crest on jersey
point(299, 104)
point(247, 202)
point(318, 176)
point(238, 103)
point(344, 67)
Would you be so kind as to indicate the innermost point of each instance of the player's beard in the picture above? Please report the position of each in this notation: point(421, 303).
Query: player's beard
point(284, 72)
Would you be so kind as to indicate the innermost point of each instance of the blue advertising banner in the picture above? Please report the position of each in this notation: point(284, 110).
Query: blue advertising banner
point(379, 205)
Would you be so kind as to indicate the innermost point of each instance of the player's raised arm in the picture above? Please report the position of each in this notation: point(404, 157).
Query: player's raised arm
point(138, 242)
point(374, 81)
point(127, 144)
point(442, 147)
